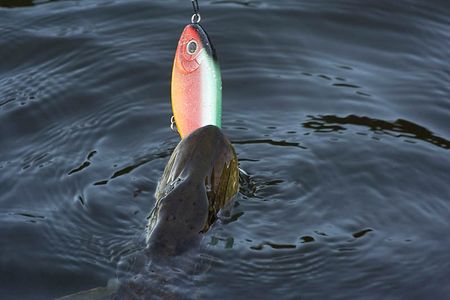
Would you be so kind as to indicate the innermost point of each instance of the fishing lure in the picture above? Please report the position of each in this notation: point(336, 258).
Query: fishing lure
point(196, 80)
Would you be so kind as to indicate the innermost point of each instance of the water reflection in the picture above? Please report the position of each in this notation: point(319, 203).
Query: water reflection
point(270, 142)
point(162, 153)
point(398, 128)
point(361, 233)
point(21, 3)
point(328, 219)
point(273, 246)
point(241, 3)
point(307, 239)
point(84, 165)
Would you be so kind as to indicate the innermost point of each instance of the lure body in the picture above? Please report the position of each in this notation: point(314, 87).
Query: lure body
point(196, 82)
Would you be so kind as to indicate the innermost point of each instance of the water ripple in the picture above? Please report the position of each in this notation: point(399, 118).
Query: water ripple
point(350, 202)
point(399, 128)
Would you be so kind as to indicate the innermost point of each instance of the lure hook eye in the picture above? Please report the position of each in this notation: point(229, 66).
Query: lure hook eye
point(191, 47)
point(196, 18)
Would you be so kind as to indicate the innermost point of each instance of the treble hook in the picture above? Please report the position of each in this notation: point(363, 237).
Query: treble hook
point(173, 125)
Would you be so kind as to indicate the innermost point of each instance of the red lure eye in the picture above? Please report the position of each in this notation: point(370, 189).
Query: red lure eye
point(191, 47)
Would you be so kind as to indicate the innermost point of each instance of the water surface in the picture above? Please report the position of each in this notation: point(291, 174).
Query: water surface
point(338, 110)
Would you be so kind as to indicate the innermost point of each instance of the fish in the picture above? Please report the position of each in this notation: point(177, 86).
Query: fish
point(200, 178)
point(196, 86)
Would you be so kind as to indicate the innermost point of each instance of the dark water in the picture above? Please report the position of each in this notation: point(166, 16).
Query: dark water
point(339, 112)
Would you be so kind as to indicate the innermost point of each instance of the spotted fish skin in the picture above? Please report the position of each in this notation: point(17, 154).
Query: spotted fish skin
point(201, 177)
point(196, 82)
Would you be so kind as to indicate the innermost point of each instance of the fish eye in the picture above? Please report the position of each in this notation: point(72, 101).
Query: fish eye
point(192, 47)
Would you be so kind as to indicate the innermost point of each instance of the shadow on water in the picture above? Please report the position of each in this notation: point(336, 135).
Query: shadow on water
point(22, 3)
point(240, 3)
point(269, 142)
point(398, 128)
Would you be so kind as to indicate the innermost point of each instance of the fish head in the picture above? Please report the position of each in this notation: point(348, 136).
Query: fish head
point(200, 178)
point(205, 156)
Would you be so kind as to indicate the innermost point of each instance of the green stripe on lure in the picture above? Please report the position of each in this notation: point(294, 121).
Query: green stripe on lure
point(196, 82)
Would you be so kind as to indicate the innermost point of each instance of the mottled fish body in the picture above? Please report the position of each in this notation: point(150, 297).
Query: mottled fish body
point(200, 178)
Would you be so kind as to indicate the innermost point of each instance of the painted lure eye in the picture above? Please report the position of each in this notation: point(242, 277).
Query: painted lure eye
point(192, 47)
